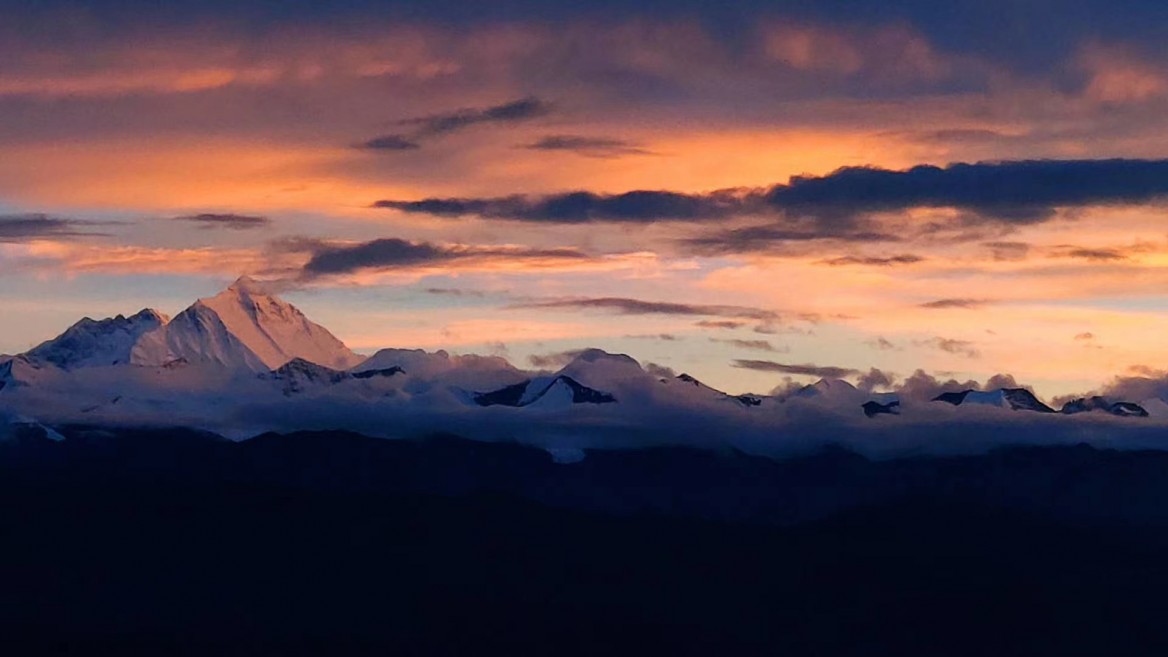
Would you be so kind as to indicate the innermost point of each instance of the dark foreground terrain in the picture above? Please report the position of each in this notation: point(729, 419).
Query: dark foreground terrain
point(175, 543)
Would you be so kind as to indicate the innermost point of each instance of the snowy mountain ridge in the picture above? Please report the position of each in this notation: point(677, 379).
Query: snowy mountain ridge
point(97, 342)
point(246, 361)
point(243, 326)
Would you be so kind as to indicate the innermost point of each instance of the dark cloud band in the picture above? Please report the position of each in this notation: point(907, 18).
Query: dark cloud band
point(822, 371)
point(514, 111)
point(229, 221)
point(587, 146)
point(1013, 192)
point(28, 227)
point(582, 207)
point(945, 304)
point(393, 253)
point(639, 307)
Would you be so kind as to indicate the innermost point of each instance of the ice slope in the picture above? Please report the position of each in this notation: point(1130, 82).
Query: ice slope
point(243, 327)
point(90, 343)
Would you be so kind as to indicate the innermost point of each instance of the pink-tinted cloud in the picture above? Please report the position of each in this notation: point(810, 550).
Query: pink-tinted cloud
point(894, 54)
point(1117, 75)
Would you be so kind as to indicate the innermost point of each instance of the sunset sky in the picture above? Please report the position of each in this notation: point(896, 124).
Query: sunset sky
point(769, 190)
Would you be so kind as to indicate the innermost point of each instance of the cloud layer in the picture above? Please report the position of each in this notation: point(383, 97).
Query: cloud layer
point(1013, 192)
point(28, 227)
point(394, 253)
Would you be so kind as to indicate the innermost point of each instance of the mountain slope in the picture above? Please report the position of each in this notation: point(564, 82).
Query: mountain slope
point(90, 343)
point(243, 327)
point(19, 372)
point(695, 387)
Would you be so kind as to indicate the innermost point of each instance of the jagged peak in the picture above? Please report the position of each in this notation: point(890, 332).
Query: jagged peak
point(149, 314)
point(146, 314)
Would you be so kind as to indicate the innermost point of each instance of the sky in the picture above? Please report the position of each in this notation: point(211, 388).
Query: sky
point(751, 193)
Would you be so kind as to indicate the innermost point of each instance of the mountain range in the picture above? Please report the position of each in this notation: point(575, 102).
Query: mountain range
point(245, 361)
point(227, 474)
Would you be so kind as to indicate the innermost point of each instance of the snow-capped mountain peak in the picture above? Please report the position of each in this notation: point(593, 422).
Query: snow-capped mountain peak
point(90, 343)
point(244, 326)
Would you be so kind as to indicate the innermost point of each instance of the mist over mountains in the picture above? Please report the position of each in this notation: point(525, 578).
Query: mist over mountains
point(244, 362)
point(236, 481)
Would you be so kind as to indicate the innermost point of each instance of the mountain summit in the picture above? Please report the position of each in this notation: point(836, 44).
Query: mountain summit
point(91, 342)
point(243, 326)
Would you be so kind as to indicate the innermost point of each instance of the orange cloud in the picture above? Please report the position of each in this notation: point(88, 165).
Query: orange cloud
point(79, 258)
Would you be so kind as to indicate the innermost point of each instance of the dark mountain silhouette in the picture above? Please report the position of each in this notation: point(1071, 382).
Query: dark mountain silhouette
point(874, 408)
point(1086, 405)
point(177, 542)
point(532, 391)
point(1018, 399)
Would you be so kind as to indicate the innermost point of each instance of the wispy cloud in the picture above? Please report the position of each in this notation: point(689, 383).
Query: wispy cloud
point(963, 303)
point(626, 306)
point(513, 111)
point(1090, 254)
point(421, 128)
point(805, 369)
point(229, 221)
point(752, 345)
point(588, 146)
point(394, 253)
point(951, 346)
point(553, 360)
point(455, 292)
point(390, 143)
point(1007, 251)
point(890, 261)
point(28, 227)
point(881, 344)
point(724, 324)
